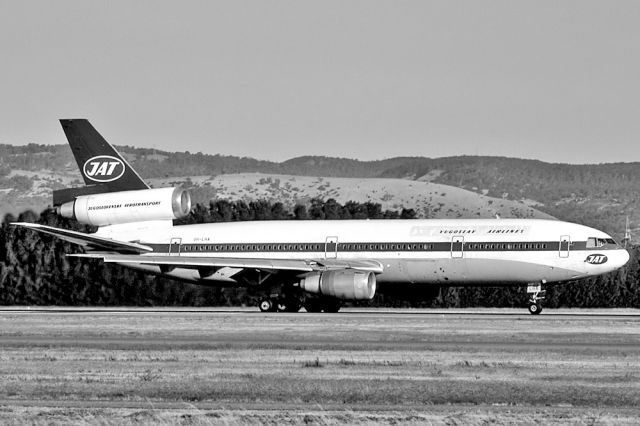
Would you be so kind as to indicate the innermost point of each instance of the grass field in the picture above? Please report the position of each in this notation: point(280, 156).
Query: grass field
point(364, 368)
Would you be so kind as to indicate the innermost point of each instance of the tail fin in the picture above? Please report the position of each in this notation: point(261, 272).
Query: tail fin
point(102, 167)
point(98, 161)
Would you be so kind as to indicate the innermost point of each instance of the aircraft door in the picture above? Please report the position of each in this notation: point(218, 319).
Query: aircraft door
point(331, 248)
point(174, 246)
point(565, 243)
point(457, 247)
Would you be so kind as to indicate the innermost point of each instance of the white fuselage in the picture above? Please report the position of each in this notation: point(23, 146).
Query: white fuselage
point(430, 251)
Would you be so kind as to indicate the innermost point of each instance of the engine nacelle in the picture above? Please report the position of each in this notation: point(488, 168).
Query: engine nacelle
point(343, 284)
point(116, 208)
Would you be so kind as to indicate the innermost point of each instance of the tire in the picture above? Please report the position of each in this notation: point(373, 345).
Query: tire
point(331, 306)
point(282, 306)
point(312, 305)
point(288, 304)
point(294, 305)
point(266, 305)
point(535, 308)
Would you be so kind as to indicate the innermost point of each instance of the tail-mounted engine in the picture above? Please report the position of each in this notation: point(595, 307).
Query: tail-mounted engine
point(343, 284)
point(116, 208)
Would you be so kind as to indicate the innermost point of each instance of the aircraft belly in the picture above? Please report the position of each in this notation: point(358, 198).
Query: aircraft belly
point(472, 271)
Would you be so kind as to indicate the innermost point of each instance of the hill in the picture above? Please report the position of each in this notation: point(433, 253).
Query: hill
point(429, 200)
point(596, 195)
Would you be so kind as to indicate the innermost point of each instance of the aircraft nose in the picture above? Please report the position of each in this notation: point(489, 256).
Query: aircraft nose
point(621, 258)
point(624, 258)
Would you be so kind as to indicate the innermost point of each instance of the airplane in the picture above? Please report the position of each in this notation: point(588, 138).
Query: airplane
point(312, 263)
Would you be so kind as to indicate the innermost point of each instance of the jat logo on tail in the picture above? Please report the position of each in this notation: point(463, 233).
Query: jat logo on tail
point(103, 168)
point(596, 259)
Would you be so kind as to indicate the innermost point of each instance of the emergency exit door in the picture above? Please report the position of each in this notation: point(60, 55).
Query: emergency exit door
point(565, 244)
point(457, 247)
point(174, 247)
point(331, 248)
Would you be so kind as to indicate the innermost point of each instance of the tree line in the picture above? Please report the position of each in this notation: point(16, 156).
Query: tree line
point(34, 268)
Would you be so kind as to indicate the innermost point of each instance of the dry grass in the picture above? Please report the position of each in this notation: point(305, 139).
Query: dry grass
point(193, 416)
point(366, 369)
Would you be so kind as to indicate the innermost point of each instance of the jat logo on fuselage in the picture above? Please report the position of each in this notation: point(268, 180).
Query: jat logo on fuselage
point(103, 168)
point(596, 259)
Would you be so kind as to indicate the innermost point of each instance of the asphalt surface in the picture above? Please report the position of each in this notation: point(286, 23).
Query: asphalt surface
point(578, 313)
point(406, 329)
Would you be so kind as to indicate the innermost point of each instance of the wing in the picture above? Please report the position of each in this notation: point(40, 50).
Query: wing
point(88, 241)
point(302, 265)
point(124, 252)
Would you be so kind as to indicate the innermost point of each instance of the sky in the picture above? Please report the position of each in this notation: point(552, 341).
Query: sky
point(557, 81)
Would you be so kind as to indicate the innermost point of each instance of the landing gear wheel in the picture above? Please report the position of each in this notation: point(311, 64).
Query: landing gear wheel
point(536, 295)
point(266, 305)
point(312, 305)
point(288, 305)
point(535, 308)
point(331, 306)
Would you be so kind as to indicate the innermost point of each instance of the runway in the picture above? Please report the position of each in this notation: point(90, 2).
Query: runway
point(408, 329)
point(432, 363)
point(575, 312)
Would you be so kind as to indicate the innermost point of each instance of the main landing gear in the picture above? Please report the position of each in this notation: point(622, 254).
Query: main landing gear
point(293, 304)
point(536, 294)
point(322, 304)
point(280, 304)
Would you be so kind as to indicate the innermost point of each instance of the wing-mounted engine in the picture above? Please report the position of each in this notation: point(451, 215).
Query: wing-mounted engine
point(116, 208)
point(342, 284)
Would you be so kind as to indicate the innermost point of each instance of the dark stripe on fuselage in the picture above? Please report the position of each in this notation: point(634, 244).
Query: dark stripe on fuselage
point(519, 246)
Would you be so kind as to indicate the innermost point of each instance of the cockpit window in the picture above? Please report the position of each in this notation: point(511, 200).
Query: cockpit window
point(599, 242)
point(593, 242)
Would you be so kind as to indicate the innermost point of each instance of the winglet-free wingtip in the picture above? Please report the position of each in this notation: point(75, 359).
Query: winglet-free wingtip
point(25, 224)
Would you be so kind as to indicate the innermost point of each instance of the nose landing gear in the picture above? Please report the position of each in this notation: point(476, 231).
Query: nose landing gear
point(536, 294)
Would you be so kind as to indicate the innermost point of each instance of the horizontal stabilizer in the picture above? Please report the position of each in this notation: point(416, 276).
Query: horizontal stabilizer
point(89, 241)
